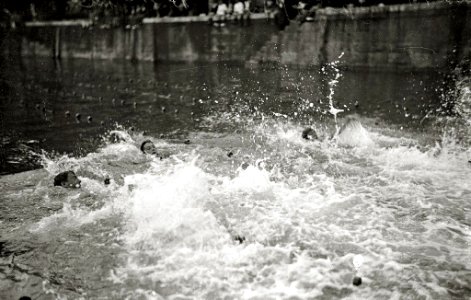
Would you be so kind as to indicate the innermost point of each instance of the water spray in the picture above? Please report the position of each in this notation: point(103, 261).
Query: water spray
point(357, 263)
point(332, 84)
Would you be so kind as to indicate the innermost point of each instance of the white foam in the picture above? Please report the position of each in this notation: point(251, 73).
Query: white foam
point(353, 134)
point(291, 228)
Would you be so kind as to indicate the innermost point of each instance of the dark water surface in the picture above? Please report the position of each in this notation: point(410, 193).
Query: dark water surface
point(172, 99)
point(247, 209)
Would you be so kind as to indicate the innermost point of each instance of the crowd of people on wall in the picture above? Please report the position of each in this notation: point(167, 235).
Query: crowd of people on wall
point(132, 12)
point(237, 11)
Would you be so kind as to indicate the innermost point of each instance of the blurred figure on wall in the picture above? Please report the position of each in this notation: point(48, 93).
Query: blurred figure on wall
point(221, 12)
point(307, 10)
point(14, 20)
point(230, 10)
point(269, 7)
point(281, 17)
point(247, 12)
point(239, 12)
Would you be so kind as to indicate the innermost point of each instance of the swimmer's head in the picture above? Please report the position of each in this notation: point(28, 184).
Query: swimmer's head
point(148, 147)
point(67, 179)
point(309, 134)
point(116, 137)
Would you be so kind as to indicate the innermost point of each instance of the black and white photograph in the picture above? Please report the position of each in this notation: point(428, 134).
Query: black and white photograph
point(235, 149)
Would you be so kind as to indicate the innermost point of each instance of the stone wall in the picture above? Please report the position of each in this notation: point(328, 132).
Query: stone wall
point(427, 35)
point(162, 40)
point(418, 36)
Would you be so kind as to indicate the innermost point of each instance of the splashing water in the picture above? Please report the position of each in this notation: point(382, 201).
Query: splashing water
point(198, 225)
point(353, 134)
point(332, 85)
point(463, 102)
point(279, 218)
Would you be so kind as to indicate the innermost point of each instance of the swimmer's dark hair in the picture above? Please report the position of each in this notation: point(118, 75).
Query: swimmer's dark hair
point(143, 143)
point(61, 177)
point(309, 133)
point(116, 138)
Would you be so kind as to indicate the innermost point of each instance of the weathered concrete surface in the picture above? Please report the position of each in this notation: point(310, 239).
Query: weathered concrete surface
point(419, 36)
point(428, 35)
point(167, 39)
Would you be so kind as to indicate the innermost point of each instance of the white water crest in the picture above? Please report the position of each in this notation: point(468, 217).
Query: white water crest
point(353, 134)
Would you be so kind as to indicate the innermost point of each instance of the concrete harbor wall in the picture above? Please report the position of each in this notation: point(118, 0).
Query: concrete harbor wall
point(416, 36)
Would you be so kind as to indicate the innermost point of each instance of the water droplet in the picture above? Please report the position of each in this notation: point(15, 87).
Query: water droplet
point(358, 261)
